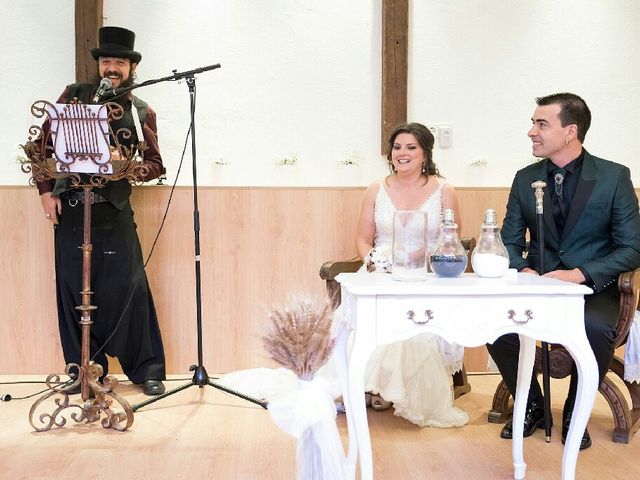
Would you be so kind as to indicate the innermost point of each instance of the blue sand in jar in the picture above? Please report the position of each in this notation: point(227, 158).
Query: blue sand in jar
point(448, 266)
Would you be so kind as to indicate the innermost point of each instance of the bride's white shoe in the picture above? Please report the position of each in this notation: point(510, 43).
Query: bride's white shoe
point(378, 403)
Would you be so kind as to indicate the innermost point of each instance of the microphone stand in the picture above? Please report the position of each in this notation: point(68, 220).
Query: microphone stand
point(190, 74)
point(538, 186)
point(200, 377)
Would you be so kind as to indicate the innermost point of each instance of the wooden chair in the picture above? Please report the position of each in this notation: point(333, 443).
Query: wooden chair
point(627, 420)
point(330, 270)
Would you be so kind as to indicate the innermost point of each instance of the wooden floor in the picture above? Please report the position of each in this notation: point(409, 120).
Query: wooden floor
point(205, 433)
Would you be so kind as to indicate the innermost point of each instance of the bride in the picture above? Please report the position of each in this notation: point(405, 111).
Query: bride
point(414, 375)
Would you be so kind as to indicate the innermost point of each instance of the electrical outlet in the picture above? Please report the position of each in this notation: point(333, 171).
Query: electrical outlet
point(433, 129)
point(443, 134)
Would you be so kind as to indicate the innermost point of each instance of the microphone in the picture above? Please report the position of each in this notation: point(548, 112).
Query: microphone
point(105, 84)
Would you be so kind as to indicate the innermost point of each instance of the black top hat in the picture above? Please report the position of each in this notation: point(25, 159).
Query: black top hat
point(116, 42)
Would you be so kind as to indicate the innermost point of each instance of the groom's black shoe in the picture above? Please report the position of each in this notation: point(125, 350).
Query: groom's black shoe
point(566, 423)
point(153, 387)
point(533, 418)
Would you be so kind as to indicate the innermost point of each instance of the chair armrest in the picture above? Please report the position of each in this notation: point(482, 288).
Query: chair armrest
point(469, 243)
point(629, 288)
point(330, 270)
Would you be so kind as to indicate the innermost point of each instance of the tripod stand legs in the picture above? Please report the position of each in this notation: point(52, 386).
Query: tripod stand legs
point(200, 379)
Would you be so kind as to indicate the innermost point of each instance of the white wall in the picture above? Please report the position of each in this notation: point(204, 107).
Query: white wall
point(478, 65)
point(302, 78)
point(297, 79)
point(37, 44)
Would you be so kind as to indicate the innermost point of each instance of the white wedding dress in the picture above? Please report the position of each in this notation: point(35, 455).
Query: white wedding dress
point(415, 374)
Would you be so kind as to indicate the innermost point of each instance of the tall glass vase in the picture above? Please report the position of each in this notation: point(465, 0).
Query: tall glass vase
point(410, 229)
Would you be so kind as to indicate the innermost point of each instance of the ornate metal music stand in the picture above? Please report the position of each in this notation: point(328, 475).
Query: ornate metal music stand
point(74, 143)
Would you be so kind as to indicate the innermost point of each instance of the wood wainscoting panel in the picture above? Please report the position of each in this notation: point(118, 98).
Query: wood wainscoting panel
point(259, 247)
point(29, 342)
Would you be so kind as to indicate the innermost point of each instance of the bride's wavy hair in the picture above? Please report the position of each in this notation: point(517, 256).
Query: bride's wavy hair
point(425, 139)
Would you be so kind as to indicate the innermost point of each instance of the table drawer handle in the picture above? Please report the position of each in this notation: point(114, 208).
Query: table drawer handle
point(428, 315)
point(528, 315)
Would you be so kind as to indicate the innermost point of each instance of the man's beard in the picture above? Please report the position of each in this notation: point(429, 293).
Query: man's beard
point(97, 78)
point(126, 82)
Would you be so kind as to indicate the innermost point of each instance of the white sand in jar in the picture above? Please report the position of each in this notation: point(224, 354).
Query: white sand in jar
point(489, 264)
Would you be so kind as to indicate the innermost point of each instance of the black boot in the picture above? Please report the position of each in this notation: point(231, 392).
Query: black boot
point(533, 418)
point(153, 387)
point(566, 423)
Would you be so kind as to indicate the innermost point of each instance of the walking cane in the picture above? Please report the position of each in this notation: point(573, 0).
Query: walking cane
point(546, 374)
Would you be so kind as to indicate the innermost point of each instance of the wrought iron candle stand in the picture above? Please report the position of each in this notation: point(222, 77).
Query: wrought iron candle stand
point(74, 143)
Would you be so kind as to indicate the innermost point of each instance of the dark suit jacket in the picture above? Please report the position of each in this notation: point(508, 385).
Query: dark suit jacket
point(602, 228)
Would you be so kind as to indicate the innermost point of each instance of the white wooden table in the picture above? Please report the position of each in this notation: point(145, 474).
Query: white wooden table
point(470, 311)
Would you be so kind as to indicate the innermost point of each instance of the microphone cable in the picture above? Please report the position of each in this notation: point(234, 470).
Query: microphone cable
point(6, 397)
point(141, 271)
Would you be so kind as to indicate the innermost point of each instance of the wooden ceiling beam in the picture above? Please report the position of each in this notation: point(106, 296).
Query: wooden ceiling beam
point(395, 48)
point(88, 21)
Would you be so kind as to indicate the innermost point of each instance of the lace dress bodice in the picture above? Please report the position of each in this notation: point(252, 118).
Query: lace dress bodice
point(384, 210)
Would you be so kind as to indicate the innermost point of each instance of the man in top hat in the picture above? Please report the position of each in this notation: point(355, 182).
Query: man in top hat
point(124, 325)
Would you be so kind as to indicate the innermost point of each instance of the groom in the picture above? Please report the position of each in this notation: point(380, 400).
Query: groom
point(592, 234)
